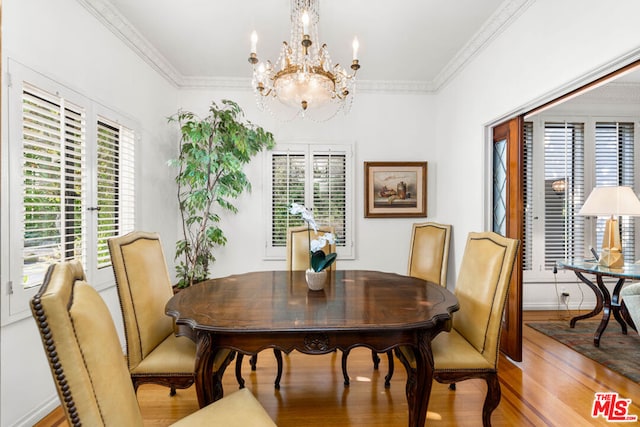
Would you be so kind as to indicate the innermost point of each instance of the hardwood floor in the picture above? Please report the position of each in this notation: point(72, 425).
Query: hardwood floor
point(553, 386)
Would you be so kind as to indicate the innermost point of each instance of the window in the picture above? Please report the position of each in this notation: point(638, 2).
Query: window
point(53, 162)
point(572, 157)
point(563, 191)
point(71, 183)
point(318, 176)
point(115, 195)
point(615, 166)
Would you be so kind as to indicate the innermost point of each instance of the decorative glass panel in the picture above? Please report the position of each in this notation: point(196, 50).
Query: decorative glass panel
point(500, 187)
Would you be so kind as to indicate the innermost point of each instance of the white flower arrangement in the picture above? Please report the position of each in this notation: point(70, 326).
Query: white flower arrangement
point(318, 260)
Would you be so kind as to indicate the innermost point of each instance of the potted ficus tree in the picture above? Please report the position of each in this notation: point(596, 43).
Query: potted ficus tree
point(213, 152)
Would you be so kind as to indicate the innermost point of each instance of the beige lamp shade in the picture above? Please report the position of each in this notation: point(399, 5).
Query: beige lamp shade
point(611, 202)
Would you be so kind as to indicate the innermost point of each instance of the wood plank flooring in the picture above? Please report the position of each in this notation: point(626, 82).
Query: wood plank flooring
point(553, 386)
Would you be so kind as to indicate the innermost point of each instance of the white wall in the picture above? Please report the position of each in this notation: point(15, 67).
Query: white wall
point(551, 46)
point(61, 40)
point(385, 127)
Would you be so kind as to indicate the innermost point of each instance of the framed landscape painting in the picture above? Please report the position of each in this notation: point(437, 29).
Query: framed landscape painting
point(395, 189)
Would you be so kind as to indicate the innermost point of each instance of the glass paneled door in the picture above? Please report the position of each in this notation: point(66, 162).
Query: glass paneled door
point(507, 220)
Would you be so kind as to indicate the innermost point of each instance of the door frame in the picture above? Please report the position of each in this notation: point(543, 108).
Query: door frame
point(601, 76)
point(511, 131)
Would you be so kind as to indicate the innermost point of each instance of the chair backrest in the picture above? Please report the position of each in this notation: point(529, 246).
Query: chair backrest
point(481, 289)
point(144, 287)
point(298, 246)
point(83, 350)
point(429, 252)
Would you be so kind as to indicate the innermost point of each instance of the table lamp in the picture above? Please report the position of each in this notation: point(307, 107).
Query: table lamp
point(612, 202)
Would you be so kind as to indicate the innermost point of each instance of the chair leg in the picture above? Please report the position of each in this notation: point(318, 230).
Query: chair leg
point(376, 359)
point(345, 354)
point(387, 379)
point(278, 354)
point(239, 370)
point(492, 399)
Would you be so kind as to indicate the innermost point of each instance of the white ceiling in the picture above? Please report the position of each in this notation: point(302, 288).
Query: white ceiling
point(415, 44)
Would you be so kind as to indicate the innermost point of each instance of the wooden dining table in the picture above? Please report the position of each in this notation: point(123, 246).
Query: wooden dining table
point(250, 312)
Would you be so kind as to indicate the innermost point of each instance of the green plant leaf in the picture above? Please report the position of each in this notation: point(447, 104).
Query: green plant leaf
point(320, 261)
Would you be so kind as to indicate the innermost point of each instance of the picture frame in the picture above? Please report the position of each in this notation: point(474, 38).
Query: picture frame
point(395, 189)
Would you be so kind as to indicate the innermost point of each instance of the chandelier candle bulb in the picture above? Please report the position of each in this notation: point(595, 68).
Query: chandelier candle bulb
point(305, 23)
point(254, 42)
point(356, 46)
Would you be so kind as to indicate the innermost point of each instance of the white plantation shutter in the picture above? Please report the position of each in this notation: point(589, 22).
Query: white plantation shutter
point(115, 185)
point(53, 168)
point(527, 243)
point(563, 191)
point(615, 166)
point(288, 185)
point(329, 192)
point(317, 176)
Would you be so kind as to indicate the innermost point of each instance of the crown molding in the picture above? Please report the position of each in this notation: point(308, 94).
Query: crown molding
point(508, 11)
point(113, 20)
point(363, 86)
point(109, 16)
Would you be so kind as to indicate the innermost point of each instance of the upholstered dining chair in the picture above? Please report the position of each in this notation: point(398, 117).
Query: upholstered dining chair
point(631, 301)
point(88, 367)
point(428, 260)
point(154, 353)
point(429, 252)
point(298, 246)
point(297, 258)
point(471, 348)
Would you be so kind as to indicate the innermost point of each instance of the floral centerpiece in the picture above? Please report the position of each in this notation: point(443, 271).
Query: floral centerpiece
point(318, 260)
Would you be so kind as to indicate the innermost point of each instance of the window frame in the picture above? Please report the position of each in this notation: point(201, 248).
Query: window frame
point(15, 301)
point(537, 273)
point(307, 149)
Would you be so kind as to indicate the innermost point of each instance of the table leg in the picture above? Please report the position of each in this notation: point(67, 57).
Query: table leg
point(616, 306)
point(208, 382)
point(611, 305)
point(606, 314)
point(419, 380)
point(599, 303)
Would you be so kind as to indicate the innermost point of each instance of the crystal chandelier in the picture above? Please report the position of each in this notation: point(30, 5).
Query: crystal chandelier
point(303, 82)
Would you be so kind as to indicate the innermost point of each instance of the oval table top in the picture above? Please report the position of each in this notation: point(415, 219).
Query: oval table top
point(280, 301)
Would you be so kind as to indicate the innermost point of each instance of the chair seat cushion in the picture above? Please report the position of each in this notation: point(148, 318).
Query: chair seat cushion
point(239, 409)
point(174, 355)
point(451, 351)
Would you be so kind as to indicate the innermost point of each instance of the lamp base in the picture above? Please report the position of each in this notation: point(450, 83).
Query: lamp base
point(611, 258)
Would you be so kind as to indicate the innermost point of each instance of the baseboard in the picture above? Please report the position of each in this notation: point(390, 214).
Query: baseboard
point(545, 306)
point(33, 417)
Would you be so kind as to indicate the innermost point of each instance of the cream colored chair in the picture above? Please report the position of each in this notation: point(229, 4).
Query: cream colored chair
point(297, 258)
point(429, 252)
point(154, 353)
point(88, 367)
point(428, 260)
point(471, 349)
point(631, 304)
point(298, 246)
